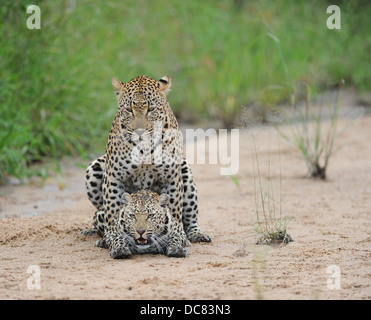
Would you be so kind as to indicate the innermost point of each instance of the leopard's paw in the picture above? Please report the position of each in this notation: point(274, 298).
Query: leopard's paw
point(101, 244)
point(198, 237)
point(120, 253)
point(177, 252)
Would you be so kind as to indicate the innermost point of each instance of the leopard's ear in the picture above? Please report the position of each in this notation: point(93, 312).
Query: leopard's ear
point(117, 86)
point(164, 199)
point(165, 84)
point(126, 198)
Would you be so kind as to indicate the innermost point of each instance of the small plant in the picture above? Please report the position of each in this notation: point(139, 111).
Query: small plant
point(316, 145)
point(271, 226)
point(235, 180)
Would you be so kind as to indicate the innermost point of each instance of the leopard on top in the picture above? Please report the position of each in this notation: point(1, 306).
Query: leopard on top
point(144, 151)
point(145, 225)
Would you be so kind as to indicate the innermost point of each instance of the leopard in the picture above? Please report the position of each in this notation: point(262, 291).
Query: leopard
point(145, 225)
point(144, 151)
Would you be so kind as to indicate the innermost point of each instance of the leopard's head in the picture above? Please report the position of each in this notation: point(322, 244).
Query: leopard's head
point(145, 216)
point(141, 104)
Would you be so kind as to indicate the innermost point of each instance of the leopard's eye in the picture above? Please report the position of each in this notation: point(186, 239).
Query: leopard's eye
point(150, 215)
point(125, 105)
point(151, 106)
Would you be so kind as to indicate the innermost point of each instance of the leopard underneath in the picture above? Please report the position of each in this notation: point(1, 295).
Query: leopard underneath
point(145, 225)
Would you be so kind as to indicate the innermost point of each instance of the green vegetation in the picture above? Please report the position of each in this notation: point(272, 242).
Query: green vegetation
point(55, 83)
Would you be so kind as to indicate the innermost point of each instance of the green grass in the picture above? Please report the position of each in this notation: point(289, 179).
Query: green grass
point(55, 84)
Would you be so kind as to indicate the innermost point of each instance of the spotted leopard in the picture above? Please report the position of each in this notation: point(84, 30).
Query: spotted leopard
point(145, 225)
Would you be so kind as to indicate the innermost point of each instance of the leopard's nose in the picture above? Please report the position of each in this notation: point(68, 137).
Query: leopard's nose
point(140, 231)
point(139, 132)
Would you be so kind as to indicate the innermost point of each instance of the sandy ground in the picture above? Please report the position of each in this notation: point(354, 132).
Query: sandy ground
point(330, 226)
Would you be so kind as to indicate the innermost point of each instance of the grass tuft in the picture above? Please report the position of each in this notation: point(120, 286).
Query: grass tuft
point(315, 143)
point(271, 225)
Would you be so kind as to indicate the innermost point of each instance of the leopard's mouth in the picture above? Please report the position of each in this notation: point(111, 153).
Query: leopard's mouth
point(141, 241)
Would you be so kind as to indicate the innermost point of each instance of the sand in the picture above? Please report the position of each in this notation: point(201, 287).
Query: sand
point(330, 257)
